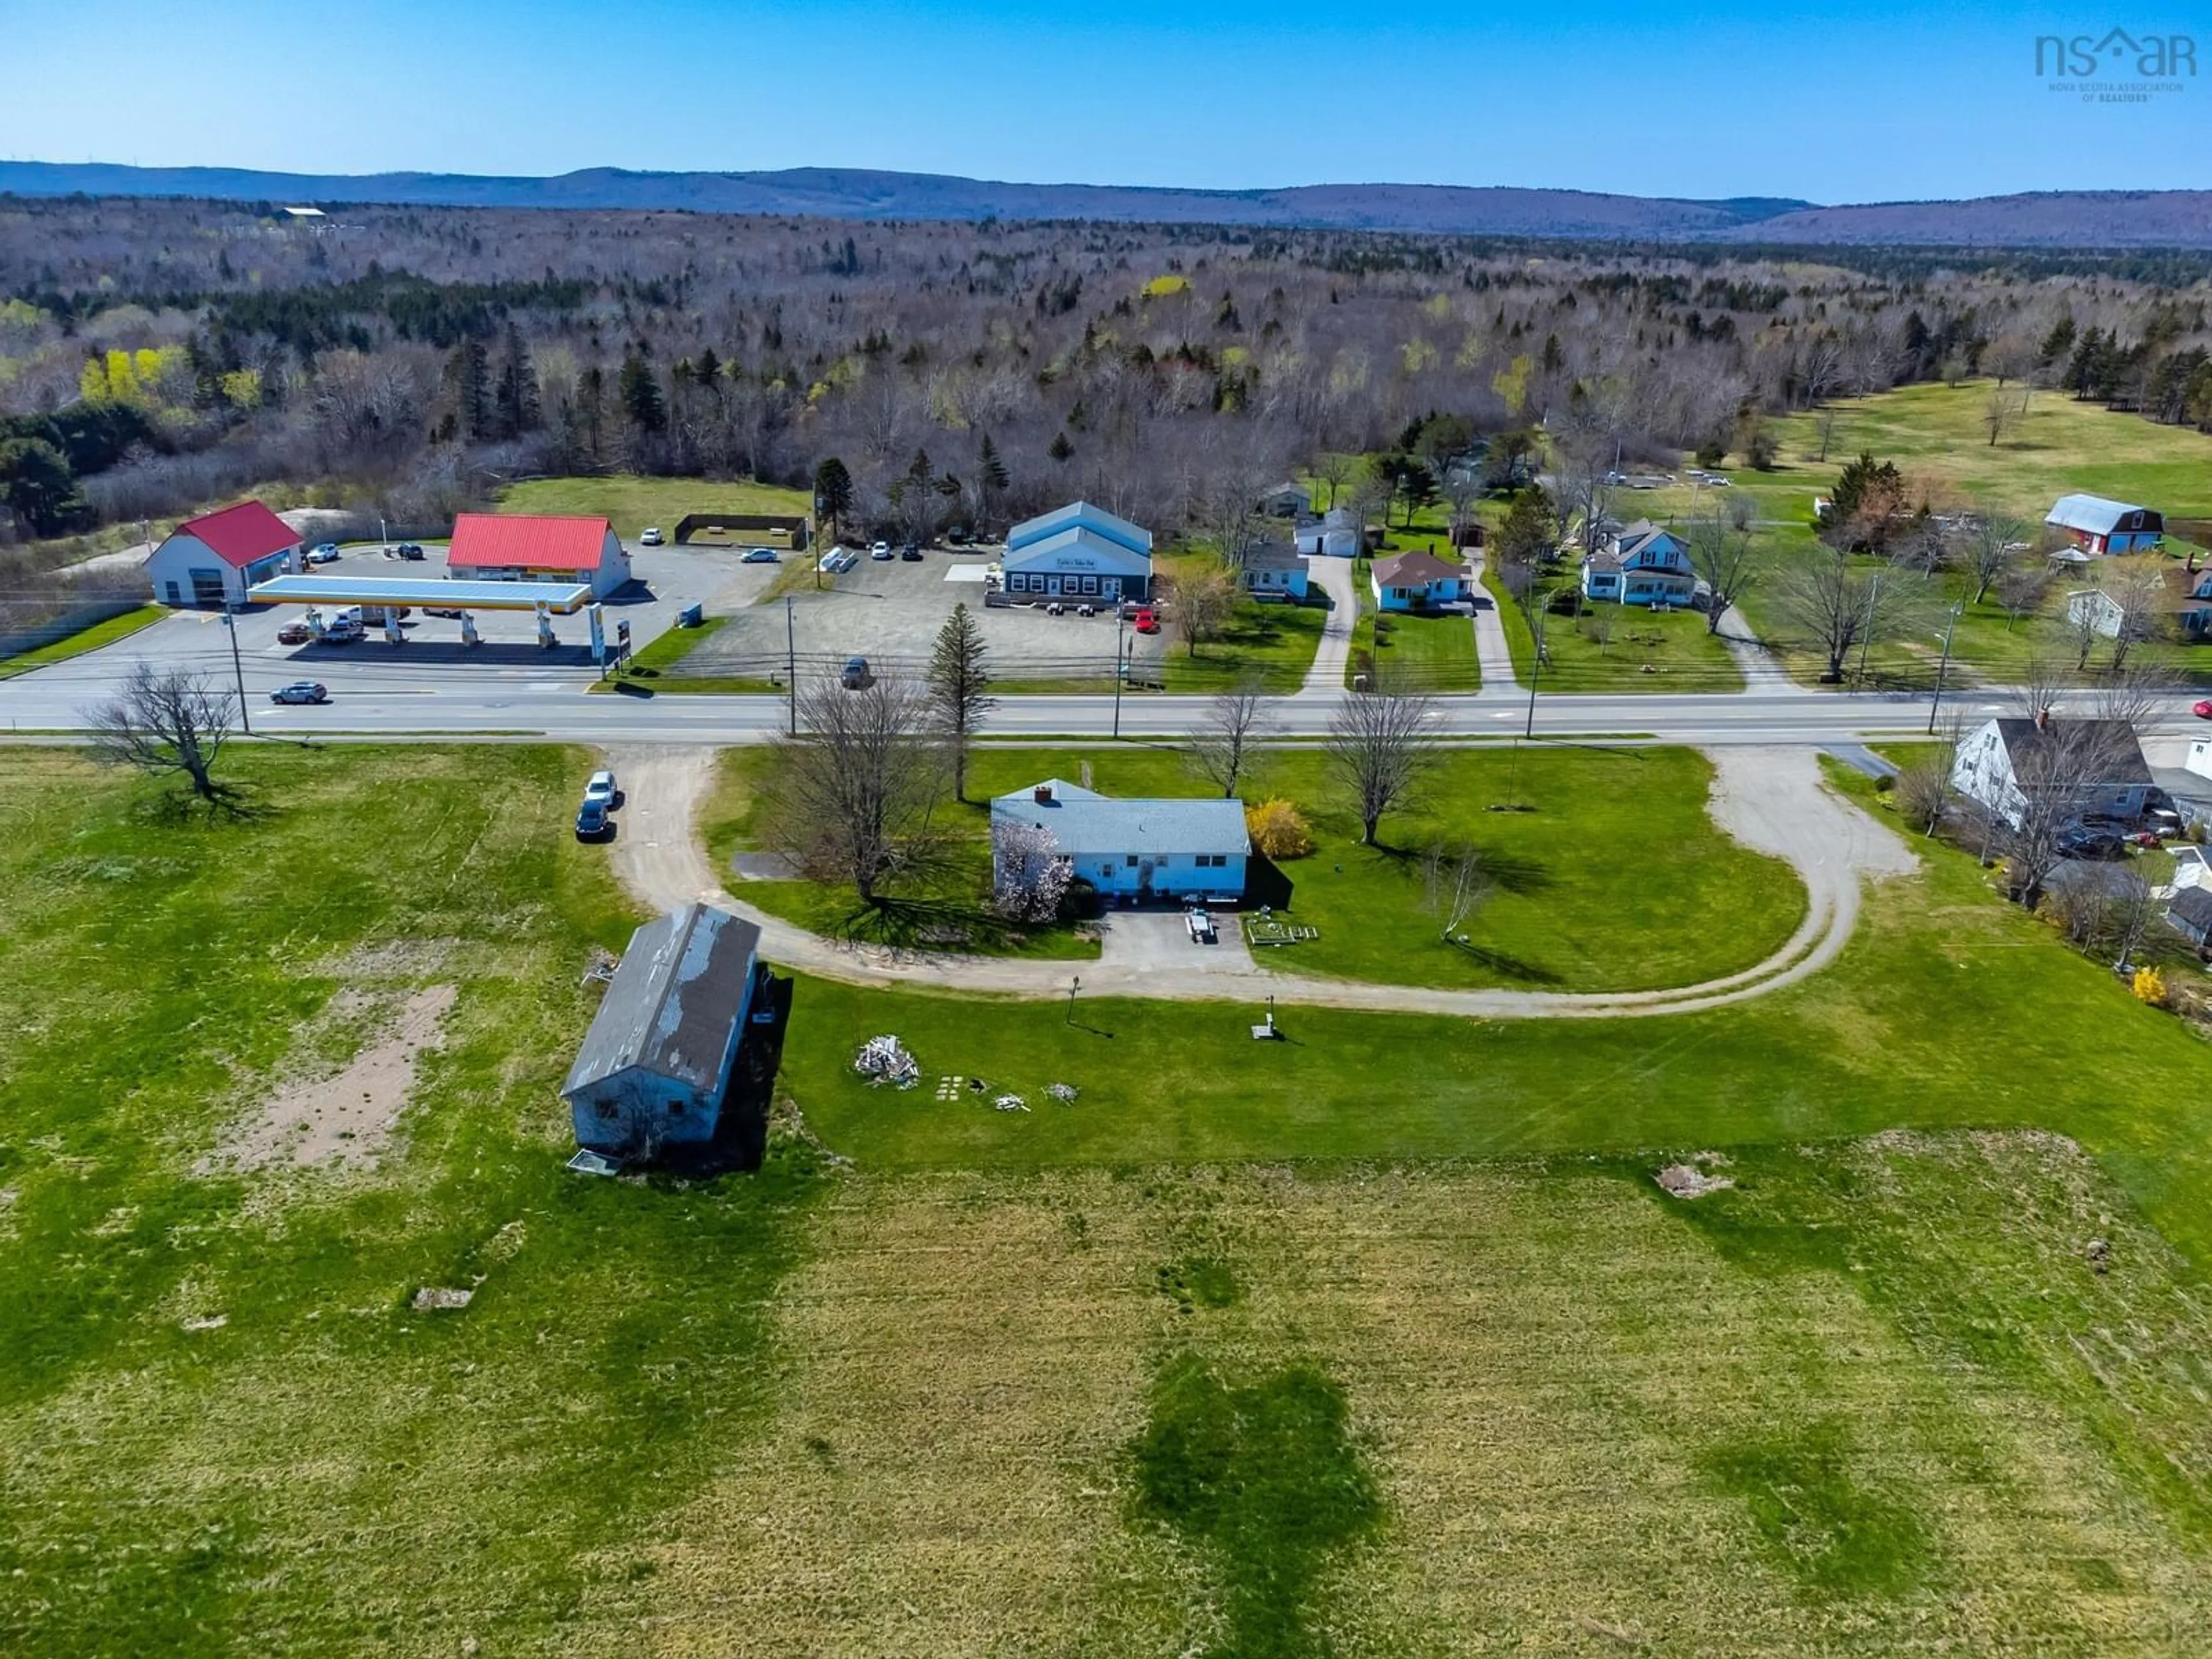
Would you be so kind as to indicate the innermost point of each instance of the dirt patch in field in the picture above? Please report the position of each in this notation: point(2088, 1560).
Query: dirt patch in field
point(347, 1117)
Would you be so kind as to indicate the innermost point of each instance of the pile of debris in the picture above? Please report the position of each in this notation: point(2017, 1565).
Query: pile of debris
point(1011, 1103)
point(884, 1059)
point(1687, 1180)
point(1063, 1092)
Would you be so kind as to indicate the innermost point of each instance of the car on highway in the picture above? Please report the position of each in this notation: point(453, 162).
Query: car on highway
point(322, 553)
point(650, 537)
point(592, 822)
point(1147, 621)
point(301, 691)
point(294, 633)
point(600, 788)
point(758, 555)
point(2203, 709)
point(854, 676)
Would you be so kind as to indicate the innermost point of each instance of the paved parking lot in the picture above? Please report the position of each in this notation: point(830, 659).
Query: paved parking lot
point(890, 612)
point(668, 579)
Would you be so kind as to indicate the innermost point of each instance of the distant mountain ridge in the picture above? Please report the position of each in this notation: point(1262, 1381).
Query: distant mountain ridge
point(2078, 219)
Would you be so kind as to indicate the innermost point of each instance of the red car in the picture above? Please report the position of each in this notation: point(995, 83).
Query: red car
point(1146, 622)
point(2204, 708)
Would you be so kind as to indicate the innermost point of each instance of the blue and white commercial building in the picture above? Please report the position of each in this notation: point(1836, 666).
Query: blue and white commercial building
point(1136, 849)
point(1077, 552)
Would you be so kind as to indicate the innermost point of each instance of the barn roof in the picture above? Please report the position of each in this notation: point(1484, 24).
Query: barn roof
point(527, 541)
point(2094, 515)
point(682, 988)
point(1107, 527)
point(1086, 825)
point(242, 534)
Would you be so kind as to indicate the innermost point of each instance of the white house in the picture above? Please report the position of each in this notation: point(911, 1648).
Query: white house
point(212, 560)
point(1139, 849)
point(1643, 564)
point(528, 546)
point(1334, 534)
point(657, 1062)
point(2098, 762)
point(1288, 501)
point(2097, 524)
point(1418, 581)
point(1272, 571)
point(1078, 552)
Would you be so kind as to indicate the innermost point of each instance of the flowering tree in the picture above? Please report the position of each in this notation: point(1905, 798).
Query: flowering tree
point(1032, 876)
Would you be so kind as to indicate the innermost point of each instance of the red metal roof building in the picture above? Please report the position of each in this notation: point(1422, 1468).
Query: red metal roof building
point(528, 546)
point(213, 559)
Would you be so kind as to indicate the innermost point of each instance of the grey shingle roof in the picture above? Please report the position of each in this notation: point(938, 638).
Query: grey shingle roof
point(1086, 825)
point(2194, 906)
point(1273, 555)
point(683, 985)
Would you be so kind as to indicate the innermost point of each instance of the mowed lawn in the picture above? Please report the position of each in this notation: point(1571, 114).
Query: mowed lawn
point(1414, 653)
point(86, 639)
point(631, 501)
point(1278, 1373)
point(1612, 648)
point(1559, 915)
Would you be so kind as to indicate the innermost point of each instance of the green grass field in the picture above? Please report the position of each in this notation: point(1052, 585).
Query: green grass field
point(1415, 653)
point(1235, 1351)
point(1610, 649)
point(1556, 917)
point(630, 502)
point(84, 640)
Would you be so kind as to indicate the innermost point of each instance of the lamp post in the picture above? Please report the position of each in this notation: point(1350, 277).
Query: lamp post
point(791, 661)
point(1866, 640)
point(1074, 984)
point(237, 667)
point(1119, 617)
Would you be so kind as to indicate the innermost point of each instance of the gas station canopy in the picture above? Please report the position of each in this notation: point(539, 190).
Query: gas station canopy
point(564, 599)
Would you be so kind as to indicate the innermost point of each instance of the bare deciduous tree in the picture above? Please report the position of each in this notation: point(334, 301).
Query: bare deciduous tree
point(1456, 886)
point(2022, 587)
point(1374, 749)
point(1202, 599)
point(1838, 608)
point(167, 720)
point(856, 790)
point(2056, 774)
point(1721, 554)
point(1991, 547)
point(1221, 750)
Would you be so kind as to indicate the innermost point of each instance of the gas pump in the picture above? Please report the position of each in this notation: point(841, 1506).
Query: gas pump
point(315, 620)
point(392, 633)
point(546, 637)
point(468, 629)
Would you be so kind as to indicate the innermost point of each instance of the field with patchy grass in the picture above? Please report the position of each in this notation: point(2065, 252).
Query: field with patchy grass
point(84, 640)
point(631, 501)
point(1556, 918)
point(1233, 1351)
point(1611, 648)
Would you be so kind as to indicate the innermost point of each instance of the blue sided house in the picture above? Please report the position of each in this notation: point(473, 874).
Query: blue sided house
point(1130, 849)
point(1642, 565)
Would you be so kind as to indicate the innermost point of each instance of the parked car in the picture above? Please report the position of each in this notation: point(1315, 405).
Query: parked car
point(912, 554)
point(294, 633)
point(411, 552)
point(880, 550)
point(2086, 843)
point(650, 537)
point(322, 553)
point(300, 691)
point(601, 788)
point(372, 616)
point(345, 630)
point(449, 613)
point(591, 821)
point(759, 556)
point(855, 675)
point(1147, 621)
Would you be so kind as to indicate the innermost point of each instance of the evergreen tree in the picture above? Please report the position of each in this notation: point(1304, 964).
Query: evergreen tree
point(639, 389)
point(2086, 367)
point(1061, 449)
point(833, 491)
point(991, 475)
point(469, 371)
point(1527, 534)
point(958, 686)
point(2059, 341)
point(516, 398)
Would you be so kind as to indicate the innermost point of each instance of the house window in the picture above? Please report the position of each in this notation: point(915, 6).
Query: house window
point(1133, 861)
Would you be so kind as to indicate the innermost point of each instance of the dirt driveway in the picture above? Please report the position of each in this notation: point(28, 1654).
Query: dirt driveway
point(1773, 800)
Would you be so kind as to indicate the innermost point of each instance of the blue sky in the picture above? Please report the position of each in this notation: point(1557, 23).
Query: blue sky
point(1842, 102)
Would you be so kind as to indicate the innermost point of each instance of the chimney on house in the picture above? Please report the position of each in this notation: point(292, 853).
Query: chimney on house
point(1043, 794)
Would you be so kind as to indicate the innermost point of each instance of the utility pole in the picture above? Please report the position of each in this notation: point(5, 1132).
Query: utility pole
point(237, 667)
point(1866, 636)
point(791, 661)
point(1943, 666)
point(1120, 616)
point(1074, 985)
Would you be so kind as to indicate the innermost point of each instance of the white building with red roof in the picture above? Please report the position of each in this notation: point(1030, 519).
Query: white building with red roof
point(523, 547)
point(213, 559)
